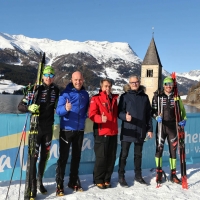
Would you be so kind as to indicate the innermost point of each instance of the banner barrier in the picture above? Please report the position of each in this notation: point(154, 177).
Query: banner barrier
point(11, 131)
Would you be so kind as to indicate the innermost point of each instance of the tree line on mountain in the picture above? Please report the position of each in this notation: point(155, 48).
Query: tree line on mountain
point(21, 75)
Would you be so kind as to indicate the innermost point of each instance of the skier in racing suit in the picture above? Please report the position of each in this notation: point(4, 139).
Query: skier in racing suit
point(168, 119)
point(42, 109)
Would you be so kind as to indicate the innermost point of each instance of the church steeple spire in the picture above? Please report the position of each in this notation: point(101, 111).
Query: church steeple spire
point(152, 56)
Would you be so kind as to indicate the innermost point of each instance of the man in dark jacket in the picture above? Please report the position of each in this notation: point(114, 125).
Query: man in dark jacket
point(103, 112)
point(134, 110)
point(44, 103)
point(72, 108)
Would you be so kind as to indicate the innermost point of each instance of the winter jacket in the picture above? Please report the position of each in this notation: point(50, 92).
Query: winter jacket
point(137, 104)
point(103, 104)
point(75, 118)
point(168, 110)
point(45, 96)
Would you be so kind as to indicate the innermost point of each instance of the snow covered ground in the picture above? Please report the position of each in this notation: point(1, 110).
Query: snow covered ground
point(168, 190)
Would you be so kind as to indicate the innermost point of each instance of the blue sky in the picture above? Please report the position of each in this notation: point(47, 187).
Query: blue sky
point(176, 25)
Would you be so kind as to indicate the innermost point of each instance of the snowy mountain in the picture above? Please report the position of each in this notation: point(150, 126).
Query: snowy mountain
point(115, 60)
point(102, 51)
point(194, 75)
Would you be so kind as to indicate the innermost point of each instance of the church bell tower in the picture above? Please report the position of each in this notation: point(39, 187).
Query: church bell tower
point(151, 70)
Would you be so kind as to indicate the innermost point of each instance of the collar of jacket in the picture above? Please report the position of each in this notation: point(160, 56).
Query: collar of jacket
point(47, 86)
point(71, 87)
point(162, 93)
point(104, 94)
point(140, 90)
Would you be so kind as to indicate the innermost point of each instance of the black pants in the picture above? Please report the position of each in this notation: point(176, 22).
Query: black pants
point(125, 146)
point(43, 141)
point(105, 148)
point(66, 139)
point(169, 132)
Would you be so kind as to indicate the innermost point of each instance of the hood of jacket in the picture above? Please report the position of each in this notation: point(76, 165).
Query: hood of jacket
point(127, 88)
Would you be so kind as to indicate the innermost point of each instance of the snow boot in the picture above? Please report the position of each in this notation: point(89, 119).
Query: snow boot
point(59, 188)
point(140, 180)
point(41, 187)
point(122, 182)
point(33, 192)
point(107, 184)
point(101, 185)
point(75, 184)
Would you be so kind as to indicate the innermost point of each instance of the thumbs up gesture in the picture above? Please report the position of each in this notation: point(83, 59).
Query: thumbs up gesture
point(103, 118)
point(128, 117)
point(68, 105)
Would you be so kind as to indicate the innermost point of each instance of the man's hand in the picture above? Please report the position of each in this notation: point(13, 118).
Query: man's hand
point(34, 108)
point(68, 105)
point(128, 117)
point(103, 118)
point(150, 134)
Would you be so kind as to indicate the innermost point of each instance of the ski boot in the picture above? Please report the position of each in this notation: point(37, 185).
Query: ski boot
point(159, 175)
point(174, 178)
point(75, 185)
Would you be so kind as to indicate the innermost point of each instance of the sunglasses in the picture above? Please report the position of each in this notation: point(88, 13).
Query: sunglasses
point(168, 84)
point(48, 75)
point(135, 83)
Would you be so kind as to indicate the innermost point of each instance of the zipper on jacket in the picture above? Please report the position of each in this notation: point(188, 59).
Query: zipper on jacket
point(78, 110)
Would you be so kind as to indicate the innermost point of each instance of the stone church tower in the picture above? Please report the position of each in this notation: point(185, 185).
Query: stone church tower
point(151, 70)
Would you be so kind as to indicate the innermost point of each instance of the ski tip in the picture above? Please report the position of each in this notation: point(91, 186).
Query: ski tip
point(43, 58)
point(184, 182)
point(173, 75)
point(158, 185)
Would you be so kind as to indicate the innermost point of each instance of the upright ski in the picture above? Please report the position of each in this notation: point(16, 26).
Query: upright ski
point(30, 183)
point(180, 133)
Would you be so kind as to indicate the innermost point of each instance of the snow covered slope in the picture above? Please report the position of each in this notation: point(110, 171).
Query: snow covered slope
point(102, 51)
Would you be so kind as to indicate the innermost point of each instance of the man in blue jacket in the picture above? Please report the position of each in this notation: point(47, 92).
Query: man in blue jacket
point(72, 108)
point(134, 110)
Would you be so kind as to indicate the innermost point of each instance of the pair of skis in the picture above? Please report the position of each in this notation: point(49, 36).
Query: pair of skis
point(180, 134)
point(31, 168)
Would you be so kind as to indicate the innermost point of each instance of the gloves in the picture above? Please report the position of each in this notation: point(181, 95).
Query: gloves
point(34, 108)
point(182, 123)
point(159, 119)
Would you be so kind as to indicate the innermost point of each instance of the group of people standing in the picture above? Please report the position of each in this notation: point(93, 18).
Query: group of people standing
point(74, 106)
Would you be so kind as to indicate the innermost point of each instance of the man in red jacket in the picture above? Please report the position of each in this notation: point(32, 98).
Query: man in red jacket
point(103, 112)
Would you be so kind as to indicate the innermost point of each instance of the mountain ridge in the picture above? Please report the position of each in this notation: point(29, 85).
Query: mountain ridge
point(96, 60)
